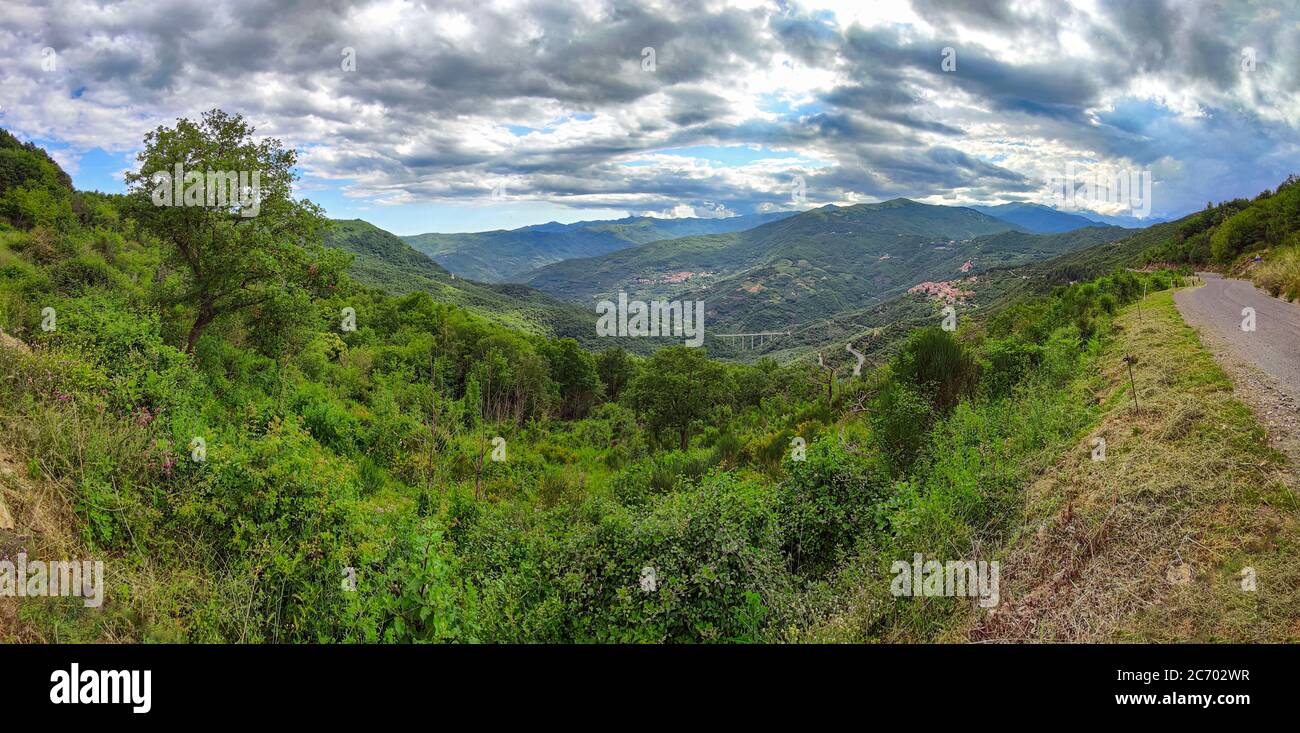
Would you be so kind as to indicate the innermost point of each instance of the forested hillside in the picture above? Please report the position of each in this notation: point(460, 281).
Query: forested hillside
point(823, 252)
point(826, 276)
point(1259, 238)
point(382, 260)
point(32, 185)
point(880, 327)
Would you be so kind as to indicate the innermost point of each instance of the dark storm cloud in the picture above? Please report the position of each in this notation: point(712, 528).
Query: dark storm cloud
point(694, 106)
point(893, 172)
point(1049, 88)
point(1001, 16)
point(890, 101)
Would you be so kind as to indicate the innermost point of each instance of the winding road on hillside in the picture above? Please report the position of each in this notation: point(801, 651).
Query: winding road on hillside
point(1274, 347)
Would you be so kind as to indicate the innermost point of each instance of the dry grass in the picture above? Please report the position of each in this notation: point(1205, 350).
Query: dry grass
point(44, 527)
point(1279, 274)
point(1150, 544)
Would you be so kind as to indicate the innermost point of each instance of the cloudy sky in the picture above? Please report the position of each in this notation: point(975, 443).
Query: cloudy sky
point(413, 115)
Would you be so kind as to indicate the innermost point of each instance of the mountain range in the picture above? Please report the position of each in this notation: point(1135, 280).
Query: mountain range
point(515, 255)
point(1047, 220)
point(1036, 217)
point(506, 255)
point(809, 267)
point(823, 275)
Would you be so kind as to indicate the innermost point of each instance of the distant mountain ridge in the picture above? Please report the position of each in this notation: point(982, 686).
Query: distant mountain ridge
point(823, 274)
point(1037, 218)
point(1042, 219)
point(830, 231)
point(506, 255)
point(382, 260)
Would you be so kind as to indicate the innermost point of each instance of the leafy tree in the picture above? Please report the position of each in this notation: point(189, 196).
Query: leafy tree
point(513, 378)
point(34, 190)
point(231, 261)
point(35, 206)
point(473, 401)
point(678, 386)
point(753, 383)
point(1236, 234)
point(574, 371)
point(616, 370)
point(11, 144)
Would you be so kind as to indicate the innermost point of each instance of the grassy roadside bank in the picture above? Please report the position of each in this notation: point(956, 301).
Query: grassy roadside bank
point(1147, 545)
point(1158, 542)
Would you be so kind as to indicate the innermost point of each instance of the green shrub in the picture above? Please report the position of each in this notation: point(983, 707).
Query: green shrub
point(283, 511)
point(660, 474)
point(328, 421)
point(557, 486)
point(1279, 274)
point(716, 559)
point(938, 365)
point(418, 595)
point(900, 418)
point(726, 448)
point(1006, 362)
point(828, 503)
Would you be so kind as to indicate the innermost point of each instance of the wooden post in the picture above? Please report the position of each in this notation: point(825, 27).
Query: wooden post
point(1131, 360)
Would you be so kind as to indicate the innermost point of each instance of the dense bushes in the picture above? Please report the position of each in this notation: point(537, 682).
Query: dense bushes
point(938, 365)
point(714, 553)
point(1006, 363)
point(900, 419)
point(1279, 274)
point(417, 595)
point(829, 503)
point(287, 515)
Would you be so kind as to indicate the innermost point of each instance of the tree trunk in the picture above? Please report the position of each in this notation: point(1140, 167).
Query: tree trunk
point(433, 437)
point(478, 467)
point(206, 314)
point(684, 431)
